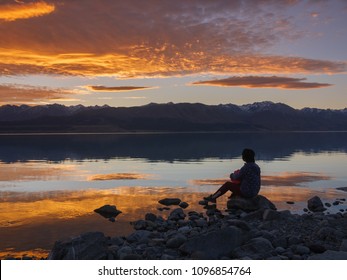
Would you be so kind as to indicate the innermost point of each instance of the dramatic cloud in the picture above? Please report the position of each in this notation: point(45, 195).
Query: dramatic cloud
point(109, 89)
point(118, 176)
point(263, 82)
point(21, 10)
point(19, 94)
point(141, 38)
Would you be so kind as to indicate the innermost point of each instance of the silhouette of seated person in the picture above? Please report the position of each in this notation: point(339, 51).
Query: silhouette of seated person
point(244, 182)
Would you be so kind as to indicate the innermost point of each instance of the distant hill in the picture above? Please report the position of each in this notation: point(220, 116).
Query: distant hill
point(260, 116)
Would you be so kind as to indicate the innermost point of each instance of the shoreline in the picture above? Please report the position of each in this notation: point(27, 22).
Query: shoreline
point(295, 207)
point(263, 233)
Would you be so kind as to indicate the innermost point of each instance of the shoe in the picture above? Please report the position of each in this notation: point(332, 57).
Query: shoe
point(210, 199)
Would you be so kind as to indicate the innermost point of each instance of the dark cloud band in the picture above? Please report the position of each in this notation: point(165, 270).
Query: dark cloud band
point(263, 82)
point(115, 89)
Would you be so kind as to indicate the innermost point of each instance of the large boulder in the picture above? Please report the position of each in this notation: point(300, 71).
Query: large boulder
point(108, 211)
point(214, 244)
point(88, 246)
point(315, 204)
point(256, 248)
point(250, 204)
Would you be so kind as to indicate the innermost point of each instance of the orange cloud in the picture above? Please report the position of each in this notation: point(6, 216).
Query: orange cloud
point(263, 82)
point(20, 10)
point(142, 39)
point(15, 62)
point(19, 94)
point(109, 89)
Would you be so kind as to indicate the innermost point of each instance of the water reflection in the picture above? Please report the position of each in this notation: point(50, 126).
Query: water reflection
point(50, 185)
point(166, 147)
point(32, 222)
point(119, 176)
point(35, 221)
point(285, 179)
point(34, 170)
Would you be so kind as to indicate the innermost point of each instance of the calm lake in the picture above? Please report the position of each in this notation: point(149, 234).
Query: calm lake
point(51, 184)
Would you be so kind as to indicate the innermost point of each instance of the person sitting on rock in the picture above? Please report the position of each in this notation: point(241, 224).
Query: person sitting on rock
point(244, 182)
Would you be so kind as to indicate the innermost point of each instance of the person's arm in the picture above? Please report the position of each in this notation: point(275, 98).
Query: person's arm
point(236, 175)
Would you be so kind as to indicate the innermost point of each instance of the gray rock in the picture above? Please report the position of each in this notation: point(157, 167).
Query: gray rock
point(343, 246)
point(138, 236)
point(240, 224)
point(280, 242)
point(170, 201)
point(255, 215)
point(280, 250)
point(328, 233)
point(108, 211)
point(183, 205)
point(140, 224)
point(200, 222)
point(131, 257)
point(285, 214)
point(293, 240)
point(270, 215)
point(176, 241)
point(301, 250)
point(150, 217)
point(88, 246)
point(267, 235)
point(250, 204)
point(124, 251)
point(177, 214)
point(167, 257)
point(151, 225)
point(274, 258)
point(211, 212)
point(315, 204)
point(117, 241)
point(256, 248)
point(214, 244)
point(327, 204)
point(330, 255)
point(184, 229)
point(317, 248)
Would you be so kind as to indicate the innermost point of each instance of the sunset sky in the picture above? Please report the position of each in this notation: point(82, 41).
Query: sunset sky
point(133, 52)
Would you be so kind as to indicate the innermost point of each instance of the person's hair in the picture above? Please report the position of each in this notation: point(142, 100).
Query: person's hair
point(248, 155)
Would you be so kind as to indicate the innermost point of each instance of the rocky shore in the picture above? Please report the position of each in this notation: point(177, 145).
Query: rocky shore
point(247, 230)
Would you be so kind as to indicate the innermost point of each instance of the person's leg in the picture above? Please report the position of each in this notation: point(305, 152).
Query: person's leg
point(227, 186)
point(235, 189)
